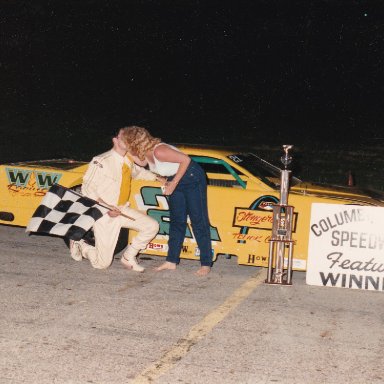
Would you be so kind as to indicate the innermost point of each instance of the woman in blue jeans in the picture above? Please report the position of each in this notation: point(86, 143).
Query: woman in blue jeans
point(186, 188)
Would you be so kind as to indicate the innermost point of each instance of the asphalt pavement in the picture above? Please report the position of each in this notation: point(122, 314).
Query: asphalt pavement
point(62, 321)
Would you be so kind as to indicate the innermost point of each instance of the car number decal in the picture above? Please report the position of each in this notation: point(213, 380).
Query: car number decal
point(156, 205)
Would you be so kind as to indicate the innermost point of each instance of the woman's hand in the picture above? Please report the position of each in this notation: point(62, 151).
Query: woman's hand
point(161, 179)
point(167, 154)
point(170, 186)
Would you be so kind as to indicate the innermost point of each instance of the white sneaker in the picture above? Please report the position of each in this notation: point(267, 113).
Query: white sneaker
point(130, 262)
point(75, 249)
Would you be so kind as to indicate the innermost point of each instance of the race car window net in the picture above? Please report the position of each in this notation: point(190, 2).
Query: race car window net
point(218, 166)
point(268, 173)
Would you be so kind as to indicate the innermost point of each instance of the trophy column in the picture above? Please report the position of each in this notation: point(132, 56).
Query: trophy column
point(281, 243)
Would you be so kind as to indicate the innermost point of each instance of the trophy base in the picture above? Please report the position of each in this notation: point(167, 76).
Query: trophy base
point(276, 283)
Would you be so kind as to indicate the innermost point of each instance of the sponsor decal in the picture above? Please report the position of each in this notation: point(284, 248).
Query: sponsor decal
point(261, 204)
point(26, 183)
point(45, 180)
point(98, 164)
point(257, 216)
point(256, 259)
point(18, 177)
point(266, 205)
point(158, 247)
point(256, 238)
point(252, 259)
point(253, 219)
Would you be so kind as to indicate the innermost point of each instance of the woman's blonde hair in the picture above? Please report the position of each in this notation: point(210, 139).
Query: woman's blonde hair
point(138, 140)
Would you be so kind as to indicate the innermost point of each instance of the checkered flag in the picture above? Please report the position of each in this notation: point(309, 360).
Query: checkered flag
point(66, 213)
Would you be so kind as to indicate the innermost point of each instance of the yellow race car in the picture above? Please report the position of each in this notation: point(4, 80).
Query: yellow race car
point(242, 188)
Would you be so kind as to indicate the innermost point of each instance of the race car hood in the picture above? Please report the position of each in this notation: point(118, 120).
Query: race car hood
point(354, 194)
point(58, 164)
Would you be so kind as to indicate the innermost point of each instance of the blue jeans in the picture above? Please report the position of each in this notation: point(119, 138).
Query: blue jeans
point(190, 198)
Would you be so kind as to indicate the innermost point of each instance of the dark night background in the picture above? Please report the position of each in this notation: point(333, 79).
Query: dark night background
point(217, 72)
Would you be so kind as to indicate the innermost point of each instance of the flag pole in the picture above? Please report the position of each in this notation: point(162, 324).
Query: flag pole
point(104, 204)
point(114, 208)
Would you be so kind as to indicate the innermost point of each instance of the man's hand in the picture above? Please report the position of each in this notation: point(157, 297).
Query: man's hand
point(114, 212)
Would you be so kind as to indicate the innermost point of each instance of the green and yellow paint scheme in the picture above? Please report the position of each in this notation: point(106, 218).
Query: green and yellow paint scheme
point(241, 191)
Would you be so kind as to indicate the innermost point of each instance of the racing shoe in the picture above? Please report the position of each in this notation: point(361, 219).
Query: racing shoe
point(75, 249)
point(130, 262)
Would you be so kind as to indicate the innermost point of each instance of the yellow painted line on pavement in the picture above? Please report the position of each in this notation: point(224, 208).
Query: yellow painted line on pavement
point(200, 330)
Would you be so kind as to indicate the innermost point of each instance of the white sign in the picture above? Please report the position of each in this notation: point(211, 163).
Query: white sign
point(346, 247)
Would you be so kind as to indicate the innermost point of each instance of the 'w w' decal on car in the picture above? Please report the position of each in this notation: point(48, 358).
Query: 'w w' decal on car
point(21, 177)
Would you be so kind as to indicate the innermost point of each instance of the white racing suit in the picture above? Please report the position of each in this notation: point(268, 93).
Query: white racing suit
point(102, 182)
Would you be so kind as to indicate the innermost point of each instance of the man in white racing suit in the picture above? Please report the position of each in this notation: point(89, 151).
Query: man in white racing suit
point(108, 181)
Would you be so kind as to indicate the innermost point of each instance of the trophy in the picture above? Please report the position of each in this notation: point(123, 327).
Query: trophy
point(285, 174)
point(281, 239)
point(287, 158)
